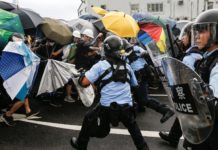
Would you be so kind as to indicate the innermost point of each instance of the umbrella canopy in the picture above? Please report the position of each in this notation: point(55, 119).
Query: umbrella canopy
point(99, 10)
point(18, 66)
point(81, 25)
point(153, 32)
point(120, 24)
point(7, 6)
point(138, 16)
point(57, 31)
point(9, 23)
point(57, 74)
point(29, 18)
point(89, 17)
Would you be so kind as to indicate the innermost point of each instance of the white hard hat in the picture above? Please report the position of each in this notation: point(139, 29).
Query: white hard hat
point(77, 34)
point(88, 32)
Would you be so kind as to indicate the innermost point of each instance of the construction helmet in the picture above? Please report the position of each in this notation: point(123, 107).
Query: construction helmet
point(76, 34)
point(89, 33)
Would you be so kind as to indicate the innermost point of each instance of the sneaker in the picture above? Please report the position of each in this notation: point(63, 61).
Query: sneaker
point(8, 120)
point(32, 113)
point(69, 99)
point(55, 103)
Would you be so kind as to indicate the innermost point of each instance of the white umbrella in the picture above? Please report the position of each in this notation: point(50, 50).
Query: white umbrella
point(57, 74)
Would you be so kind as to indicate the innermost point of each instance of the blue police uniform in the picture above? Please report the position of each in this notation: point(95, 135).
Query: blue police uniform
point(113, 91)
point(140, 62)
point(115, 106)
point(137, 64)
point(191, 58)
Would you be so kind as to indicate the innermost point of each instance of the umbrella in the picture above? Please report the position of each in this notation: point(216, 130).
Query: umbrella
point(57, 31)
point(9, 23)
point(81, 25)
point(57, 74)
point(99, 10)
point(153, 32)
point(120, 24)
point(29, 18)
point(138, 16)
point(89, 17)
point(7, 6)
point(18, 66)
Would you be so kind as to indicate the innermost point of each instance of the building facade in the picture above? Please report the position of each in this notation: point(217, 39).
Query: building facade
point(176, 9)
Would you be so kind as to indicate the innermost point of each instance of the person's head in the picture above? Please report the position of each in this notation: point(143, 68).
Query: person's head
point(186, 35)
point(15, 37)
point(205, 35)
point(127, 45)
point(87, 35)
point(76, 36)
point(113, 47)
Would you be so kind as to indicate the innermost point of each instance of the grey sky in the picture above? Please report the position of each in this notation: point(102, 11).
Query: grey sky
point(59, 9)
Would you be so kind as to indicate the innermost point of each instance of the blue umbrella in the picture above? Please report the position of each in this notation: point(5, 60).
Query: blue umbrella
point(18, 66)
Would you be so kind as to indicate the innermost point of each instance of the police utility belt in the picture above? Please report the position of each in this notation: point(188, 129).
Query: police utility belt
point(115, 111)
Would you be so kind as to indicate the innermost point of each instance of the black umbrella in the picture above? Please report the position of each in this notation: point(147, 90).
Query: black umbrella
point(7, 6)
point(29, 18)
point(89, 17)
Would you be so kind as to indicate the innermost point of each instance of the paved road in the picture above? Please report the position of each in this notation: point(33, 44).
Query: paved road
point(57, 125)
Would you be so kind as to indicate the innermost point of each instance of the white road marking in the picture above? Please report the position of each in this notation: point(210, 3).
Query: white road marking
point(158, 95)
point(154, 134)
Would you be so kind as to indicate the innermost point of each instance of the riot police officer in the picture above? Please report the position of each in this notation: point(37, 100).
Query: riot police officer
point(142, 73)
point(113, 77)
point(206, 38)
point(190, 57)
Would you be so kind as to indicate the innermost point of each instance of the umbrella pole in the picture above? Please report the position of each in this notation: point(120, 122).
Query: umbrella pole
point(170, 40)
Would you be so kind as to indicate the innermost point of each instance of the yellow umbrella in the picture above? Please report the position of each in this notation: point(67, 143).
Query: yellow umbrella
point(99, 10)
point(120, 24)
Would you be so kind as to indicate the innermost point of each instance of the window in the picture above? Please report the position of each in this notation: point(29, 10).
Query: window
point(134, 8)
point(158, 7)
point(210, 5)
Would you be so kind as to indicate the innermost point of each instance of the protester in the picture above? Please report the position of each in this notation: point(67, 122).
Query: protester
point(70, 58)
point(7, 116)
point(114, 78)
point(82, 60)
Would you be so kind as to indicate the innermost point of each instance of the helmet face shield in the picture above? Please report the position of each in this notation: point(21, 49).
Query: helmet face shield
point(204, 34)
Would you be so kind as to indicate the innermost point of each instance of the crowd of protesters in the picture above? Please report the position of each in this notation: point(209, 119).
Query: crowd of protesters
point(88, 53)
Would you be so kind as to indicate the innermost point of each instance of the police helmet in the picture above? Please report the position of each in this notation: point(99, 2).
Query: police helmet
point(186, 30)
point(113, 47)
point(206, 21)
point(126, 45)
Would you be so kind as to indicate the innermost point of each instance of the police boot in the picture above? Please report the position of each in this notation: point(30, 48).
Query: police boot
point(169, 138)
point(166, 111)
point(75, 144)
